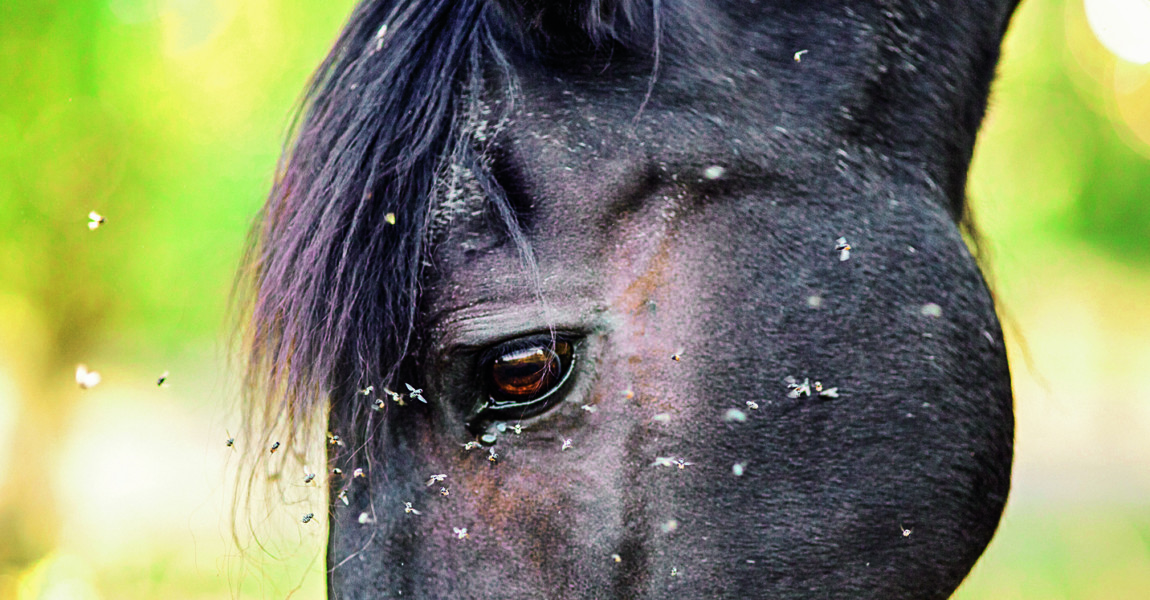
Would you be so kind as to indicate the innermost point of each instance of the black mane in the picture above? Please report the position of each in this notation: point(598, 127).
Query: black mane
point(332, 283)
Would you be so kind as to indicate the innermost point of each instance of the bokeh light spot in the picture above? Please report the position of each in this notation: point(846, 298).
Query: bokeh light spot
point(1123, 26)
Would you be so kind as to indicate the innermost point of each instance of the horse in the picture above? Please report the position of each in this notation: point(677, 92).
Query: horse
point(640, 299)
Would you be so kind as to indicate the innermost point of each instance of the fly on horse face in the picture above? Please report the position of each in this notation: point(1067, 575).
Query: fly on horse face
point(641, 299)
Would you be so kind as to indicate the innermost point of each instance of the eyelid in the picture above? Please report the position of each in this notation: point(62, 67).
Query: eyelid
point(523, 342)
point(466, 330)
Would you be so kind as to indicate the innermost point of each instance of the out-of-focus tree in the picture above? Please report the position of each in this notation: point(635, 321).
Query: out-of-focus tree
point(1066, 151)
point(167, 118)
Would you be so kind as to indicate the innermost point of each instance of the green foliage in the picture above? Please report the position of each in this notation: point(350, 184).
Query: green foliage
point(166, 117)
point(1059, 155)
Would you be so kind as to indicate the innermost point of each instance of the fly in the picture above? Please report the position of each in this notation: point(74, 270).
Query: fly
point(415, 394)
point(843, 248)
point(395, 397)
point(95, 220)
point(798, 389)
point(828, 392)
point(86, 379)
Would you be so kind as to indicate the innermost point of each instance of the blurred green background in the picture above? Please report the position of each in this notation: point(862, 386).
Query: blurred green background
point(167, 116)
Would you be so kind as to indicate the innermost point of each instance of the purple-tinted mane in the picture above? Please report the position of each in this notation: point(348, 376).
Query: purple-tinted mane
point(336, 255)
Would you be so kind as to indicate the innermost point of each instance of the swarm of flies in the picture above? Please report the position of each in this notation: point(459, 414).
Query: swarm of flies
point(803, 390)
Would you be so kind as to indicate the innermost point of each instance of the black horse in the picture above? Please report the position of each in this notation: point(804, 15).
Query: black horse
point(641, 299)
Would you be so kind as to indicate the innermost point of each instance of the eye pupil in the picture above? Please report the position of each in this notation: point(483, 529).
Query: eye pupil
point(524, 373)
point(529, 373)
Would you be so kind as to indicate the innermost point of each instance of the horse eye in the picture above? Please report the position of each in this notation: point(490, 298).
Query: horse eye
point(522, 375)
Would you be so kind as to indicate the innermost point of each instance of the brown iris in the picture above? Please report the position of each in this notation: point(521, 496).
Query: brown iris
point(529, 373)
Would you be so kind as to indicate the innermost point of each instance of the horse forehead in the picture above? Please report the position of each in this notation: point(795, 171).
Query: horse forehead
point(753, 109)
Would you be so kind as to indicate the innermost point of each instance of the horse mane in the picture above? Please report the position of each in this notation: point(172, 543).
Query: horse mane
point(330, 282)
point(585, 23)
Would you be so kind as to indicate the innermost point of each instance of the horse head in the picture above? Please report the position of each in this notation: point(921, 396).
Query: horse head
point(642, 299)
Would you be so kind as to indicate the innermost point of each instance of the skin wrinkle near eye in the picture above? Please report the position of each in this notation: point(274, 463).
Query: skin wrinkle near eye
point(480, 325)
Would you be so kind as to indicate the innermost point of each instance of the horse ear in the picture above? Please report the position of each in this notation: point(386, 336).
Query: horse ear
point(593, 21)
